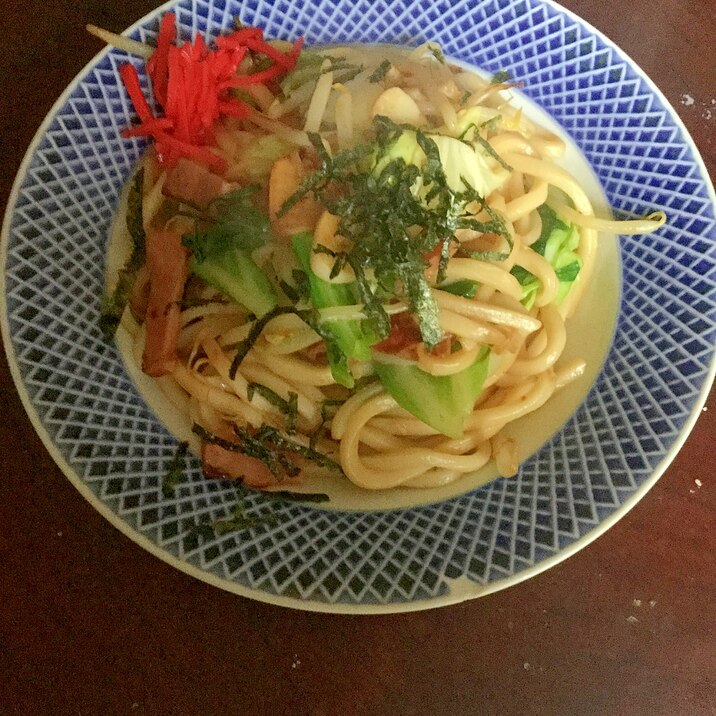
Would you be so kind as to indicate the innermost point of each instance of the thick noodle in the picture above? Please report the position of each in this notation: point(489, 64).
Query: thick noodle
point(378, 444)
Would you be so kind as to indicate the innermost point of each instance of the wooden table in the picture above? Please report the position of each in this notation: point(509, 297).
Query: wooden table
point(91, 624)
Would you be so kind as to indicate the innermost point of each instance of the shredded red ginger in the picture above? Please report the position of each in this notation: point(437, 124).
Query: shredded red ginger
point(192, 82)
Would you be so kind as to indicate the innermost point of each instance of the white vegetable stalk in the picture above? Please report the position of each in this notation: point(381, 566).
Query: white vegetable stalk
point(317, 108)
point(344, 117)
point(121, 43)
point(294, 136)
point(278, 108)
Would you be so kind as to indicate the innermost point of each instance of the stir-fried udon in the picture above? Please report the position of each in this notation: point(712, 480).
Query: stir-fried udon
point(355, 259)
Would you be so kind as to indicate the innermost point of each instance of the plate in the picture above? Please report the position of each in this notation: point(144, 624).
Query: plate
point(110, 444)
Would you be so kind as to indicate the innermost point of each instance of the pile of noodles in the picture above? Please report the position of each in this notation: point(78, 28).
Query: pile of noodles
point(377, 443)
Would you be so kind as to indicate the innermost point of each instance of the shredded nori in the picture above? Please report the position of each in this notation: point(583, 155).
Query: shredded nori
point(267, 435)
point(391, 227)
point(271, 447)
point(175, 470)
point(113, 304)
point(380, 72)
point(289, 496)
point(239, 518)
point(289, 407)
point(256, 330)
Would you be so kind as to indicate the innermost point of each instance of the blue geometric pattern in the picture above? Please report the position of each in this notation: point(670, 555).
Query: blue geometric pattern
point(653, 382)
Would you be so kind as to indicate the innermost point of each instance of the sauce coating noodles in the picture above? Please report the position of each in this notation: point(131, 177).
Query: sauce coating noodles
point(286, 380)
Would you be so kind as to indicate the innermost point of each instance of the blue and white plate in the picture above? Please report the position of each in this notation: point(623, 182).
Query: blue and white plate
point(609, 453)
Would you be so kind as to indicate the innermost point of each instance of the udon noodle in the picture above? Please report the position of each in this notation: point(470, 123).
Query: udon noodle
point(286, 381)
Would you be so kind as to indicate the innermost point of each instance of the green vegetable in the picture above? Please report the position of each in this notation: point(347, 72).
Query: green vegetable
point(350, 337)
point(464, 165)
point(558, 242)
point(221, 247)
point(311, 317)
point(443, 402)
point(236, 274)
point(464, 287)
point(396, 205)
point(113, 305)
point(258, 157)
point(500, 77)
point(233, 222)
point(308, 69)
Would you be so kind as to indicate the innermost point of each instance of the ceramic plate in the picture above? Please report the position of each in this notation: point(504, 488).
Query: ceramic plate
point(615, 442)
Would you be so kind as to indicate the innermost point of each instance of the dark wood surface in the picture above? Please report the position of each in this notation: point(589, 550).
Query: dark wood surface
point(91, 624)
